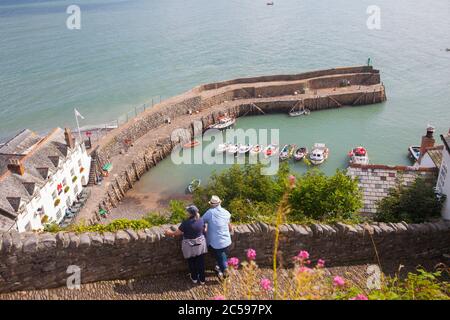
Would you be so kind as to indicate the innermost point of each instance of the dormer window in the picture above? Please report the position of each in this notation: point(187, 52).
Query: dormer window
point(55, 160)
point(30, 187)
point(15, 202)
point(43, 172)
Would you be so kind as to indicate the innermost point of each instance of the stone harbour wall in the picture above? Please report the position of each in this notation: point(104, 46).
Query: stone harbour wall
point(37, 261)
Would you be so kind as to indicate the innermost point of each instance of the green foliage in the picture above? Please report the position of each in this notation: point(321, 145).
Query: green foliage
point(319, 197)
point(247, 193)
point(52, 227)
point(422, 285)
point(414, 204)
point(177, 211)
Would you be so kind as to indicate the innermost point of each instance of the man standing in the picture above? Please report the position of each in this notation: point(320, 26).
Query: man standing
point(218, 228)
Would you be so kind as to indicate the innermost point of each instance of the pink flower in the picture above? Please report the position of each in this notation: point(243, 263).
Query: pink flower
point(303, 255)
point(233, 262)
point(360, 297)
point(251, 254)
point(338, 281)
point(219, 297)
point(320, 263)
point(266, 284)
point(291, 181)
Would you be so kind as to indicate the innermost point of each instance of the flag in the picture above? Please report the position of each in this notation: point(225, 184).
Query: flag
point(77, 114)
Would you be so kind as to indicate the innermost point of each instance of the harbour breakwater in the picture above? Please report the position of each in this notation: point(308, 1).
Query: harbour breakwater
point(140, 144)
point(39, 261)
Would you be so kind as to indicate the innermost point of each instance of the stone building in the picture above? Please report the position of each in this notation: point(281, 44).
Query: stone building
point(40, 177)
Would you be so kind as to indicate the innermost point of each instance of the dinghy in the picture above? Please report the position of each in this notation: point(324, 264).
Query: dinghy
point(233, 149)
point(194, 185)
point(255, 150)
point(223, 147)
point(358, 155)
point(300, 153)
point(300, 111)
point(414, 153)
point(244, 148)
point(191, 144)
point(287, 151)
point(318, 154)
point(271, 150)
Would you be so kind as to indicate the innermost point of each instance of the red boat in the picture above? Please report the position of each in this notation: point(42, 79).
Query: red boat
point(191, 144)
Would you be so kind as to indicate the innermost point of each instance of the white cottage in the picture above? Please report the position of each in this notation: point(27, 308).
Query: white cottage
point(443, 182)
point(40, 177)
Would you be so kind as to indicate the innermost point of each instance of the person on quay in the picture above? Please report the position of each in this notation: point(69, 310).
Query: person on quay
point(218, 237)
point(194, 244)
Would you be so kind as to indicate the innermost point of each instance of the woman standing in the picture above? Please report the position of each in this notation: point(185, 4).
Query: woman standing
point(194, 243)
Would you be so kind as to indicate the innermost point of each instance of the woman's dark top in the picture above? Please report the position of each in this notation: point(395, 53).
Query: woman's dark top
point(192, 228)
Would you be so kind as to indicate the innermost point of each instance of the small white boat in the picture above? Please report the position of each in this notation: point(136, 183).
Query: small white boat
point(359, 155)
point(233, 149)
point(194, 185)
point(319, 153)
point(244, 148)
point(223, 147)
point(223, 123)
point(300, 153)
point(414, 152)
point(299, 113)
point(271, 150)
point(255, 150)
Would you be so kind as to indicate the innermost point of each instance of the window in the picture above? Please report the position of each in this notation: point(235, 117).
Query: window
point(28, 227)
point(72, 172)
point(55, 195)
point(64, 182)
point(79, 163)
point(75, 189)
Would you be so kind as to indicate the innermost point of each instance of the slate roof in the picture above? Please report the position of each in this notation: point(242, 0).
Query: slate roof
point(39, 156)
point(435, 154)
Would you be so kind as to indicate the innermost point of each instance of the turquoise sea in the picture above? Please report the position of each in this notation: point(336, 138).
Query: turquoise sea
point(130, 51)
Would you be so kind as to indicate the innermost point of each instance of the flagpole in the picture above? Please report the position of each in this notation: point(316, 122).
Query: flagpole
point(78, 125)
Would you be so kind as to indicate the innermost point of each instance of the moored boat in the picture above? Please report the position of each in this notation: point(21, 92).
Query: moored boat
point(233, 149)
point(223, 123)
point(300, 153)
point(191, 144)
point(270, 150)
point(194, 185)
point(244, 148)
point(287, 151)
point(414, 152)
point(256, 149)
point(319, 153)
point(359, 155)
point(222, 147)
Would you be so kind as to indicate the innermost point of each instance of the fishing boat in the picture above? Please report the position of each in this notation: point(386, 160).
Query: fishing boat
point(223, 123)
point(414, 152)
point(270, 3)
point(359, 155)
point(271, 150)
point(244, 148)
point(287, 151)
point(300, 153)
point(233, 149)
point(194, 185)
point(222, 147)
point(255, 150)
point(191, 144)
point(318, 154)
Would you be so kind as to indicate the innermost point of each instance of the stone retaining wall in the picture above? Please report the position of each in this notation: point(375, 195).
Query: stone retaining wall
point(36, 261)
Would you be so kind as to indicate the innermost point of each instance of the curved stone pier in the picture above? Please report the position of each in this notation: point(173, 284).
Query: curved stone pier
point(141, 143)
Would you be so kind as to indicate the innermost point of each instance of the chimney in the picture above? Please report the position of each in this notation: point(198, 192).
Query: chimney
point(15, 166)
point(69, 139)
point(427, 140)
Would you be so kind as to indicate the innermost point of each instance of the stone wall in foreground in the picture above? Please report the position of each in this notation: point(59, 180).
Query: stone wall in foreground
point(32, 261)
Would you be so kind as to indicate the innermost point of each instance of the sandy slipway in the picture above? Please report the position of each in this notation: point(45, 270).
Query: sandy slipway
point(144, 141)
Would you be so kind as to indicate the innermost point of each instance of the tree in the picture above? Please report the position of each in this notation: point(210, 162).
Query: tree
point(320, 197)
point(414, 204)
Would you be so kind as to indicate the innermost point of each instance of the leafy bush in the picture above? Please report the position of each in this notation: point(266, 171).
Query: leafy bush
point(414, 204)
point(319, 197)
point(247, 193)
